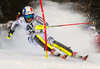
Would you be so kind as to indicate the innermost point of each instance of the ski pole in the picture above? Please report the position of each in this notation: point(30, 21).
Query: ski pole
point(70, 24)
point(8, 37)
point(18, 15)
point(39, 27)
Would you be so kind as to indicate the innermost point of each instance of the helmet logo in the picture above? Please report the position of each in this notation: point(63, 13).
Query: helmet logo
point(28, 12)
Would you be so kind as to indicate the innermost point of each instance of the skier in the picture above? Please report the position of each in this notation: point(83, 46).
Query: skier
point(31, 22)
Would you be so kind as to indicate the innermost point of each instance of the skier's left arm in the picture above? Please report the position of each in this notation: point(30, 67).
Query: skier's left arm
point(41, 23)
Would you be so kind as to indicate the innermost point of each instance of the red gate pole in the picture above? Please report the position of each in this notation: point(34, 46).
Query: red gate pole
point(46, 52)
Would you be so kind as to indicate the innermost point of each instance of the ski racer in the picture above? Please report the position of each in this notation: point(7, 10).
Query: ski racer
point(30, 23)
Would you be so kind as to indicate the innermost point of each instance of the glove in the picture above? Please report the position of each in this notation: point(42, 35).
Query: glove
point(10, 33)
point(40, 27)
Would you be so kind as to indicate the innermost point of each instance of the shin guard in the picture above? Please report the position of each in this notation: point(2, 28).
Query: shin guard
point(63, 48)
point(41, 42)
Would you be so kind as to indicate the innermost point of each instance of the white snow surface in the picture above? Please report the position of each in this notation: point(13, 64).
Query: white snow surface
point(18, 53)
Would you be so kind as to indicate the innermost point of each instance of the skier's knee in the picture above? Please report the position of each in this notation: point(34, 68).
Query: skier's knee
point(50, 40)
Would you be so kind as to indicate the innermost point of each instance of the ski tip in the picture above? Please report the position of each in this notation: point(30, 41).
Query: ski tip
point(85, 57)
point(64, 57)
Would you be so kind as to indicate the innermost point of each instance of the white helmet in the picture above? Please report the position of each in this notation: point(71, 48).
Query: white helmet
point(27, 10)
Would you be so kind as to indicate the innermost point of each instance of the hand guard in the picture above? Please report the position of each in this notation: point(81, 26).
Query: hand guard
point(10, 33)
point(40, 27)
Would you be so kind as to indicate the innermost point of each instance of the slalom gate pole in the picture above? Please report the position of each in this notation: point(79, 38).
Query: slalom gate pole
point(70, 24)
point(46, 52)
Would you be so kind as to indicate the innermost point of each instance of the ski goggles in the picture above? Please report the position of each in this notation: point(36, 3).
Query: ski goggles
point(29, 16)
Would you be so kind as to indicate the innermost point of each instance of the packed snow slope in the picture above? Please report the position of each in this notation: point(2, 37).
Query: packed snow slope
point(18, 53)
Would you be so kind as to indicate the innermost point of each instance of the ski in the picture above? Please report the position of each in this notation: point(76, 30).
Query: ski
point(79, 57)
point(64, 56)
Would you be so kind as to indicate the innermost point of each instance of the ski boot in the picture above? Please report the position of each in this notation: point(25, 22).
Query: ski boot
point(55, 53)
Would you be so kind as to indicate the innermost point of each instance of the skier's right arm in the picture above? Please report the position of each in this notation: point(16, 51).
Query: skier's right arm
point(14, 25)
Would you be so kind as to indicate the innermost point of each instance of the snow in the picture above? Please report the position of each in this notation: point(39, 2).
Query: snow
point(18, 53)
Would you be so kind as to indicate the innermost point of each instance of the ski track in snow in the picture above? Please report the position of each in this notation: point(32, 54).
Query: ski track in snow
point(18, 53)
